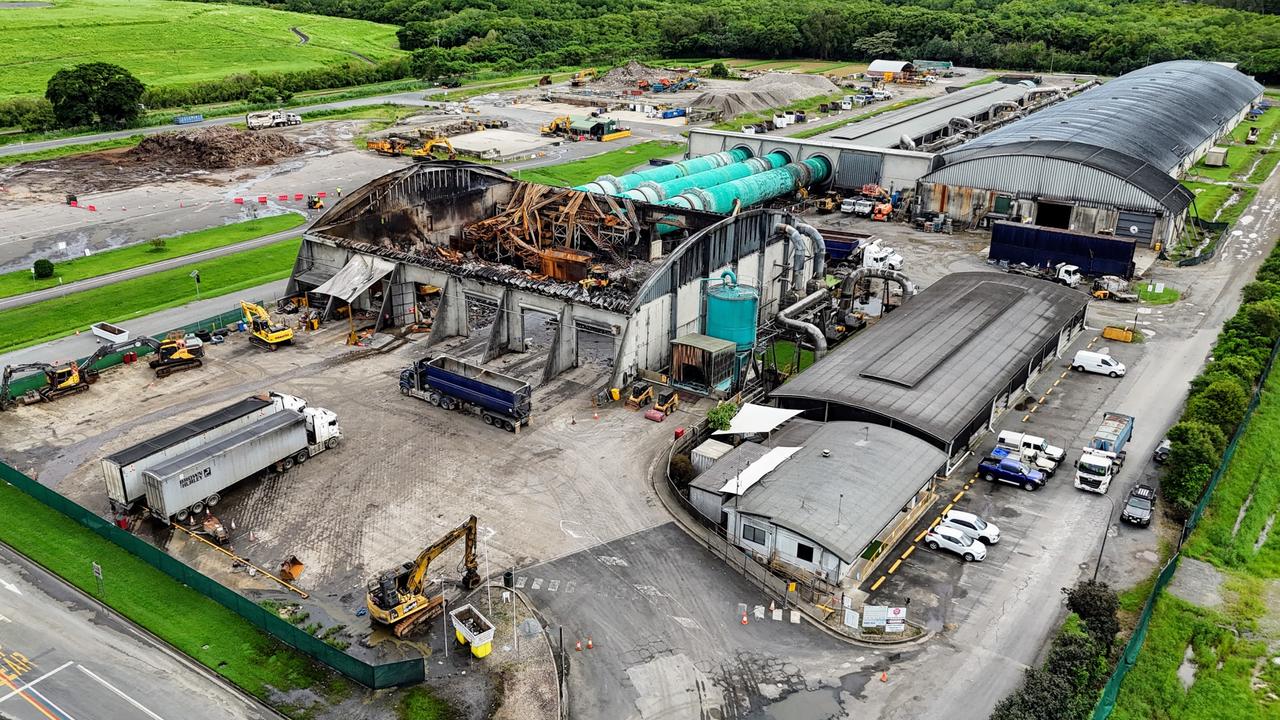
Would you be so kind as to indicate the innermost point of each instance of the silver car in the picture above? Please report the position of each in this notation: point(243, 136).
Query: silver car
point(949, 538)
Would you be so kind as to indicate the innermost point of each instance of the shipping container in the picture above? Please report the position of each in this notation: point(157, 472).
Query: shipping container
point(122, 471)
point(1045, 247)
point(706, 455)
point(196, 479)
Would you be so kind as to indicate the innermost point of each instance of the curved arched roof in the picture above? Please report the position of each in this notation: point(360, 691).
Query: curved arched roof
point(1158, 114)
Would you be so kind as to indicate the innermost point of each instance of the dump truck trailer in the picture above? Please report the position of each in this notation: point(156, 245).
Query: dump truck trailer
point(195, 480)
point(501, 400)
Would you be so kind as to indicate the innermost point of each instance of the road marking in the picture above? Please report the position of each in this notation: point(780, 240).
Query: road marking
point(569, 586)
point(895, 565)
point(26, 685)
point(553, 586)
point(947, 509)
point(10, 587)
point(922, 534)
point(520, 581)
point(956, 499)
point(878, 583)
point(1025, 417)
point(5, 619)
point(935, 523)
point(1033, 409)
point(537, 584)
point(1064, 374)
point(1048, 392)
point(1055, 382)
point(907, 554)
point(117, 691)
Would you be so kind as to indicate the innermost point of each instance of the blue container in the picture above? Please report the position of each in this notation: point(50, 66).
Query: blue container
point(673, 113)
point(188, 119)
point(731, 312)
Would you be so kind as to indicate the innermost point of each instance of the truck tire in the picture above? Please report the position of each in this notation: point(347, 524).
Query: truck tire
point(488, 419)
point(213, 500)
point(197, 507)
point(301, 456)
point(331, 443)
point(508, 426)
point(1078, 368)
point(404, 390)
point(181, 515)
point(433, 397)
point(286, 464)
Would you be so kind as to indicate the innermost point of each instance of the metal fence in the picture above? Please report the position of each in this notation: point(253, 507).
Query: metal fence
point(217, 322)
point(374, 676)
point(1129, 657)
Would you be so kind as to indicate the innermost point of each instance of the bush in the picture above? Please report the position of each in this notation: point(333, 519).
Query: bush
point(681, 470)
point(1067, 686)
point(719, 70)
point(267, 95)
point(720, 416)
point(1096, 604)
point(1222, 403)
point(43, 269)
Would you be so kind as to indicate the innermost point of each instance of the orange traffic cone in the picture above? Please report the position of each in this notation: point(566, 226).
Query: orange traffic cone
point(578, 646)
point(595, 414)
point(744, 617)
point(884, 676)
point(589, 643)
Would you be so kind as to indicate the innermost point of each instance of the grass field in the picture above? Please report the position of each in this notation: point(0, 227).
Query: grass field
point(166, 43)
point(66, 271)
point(783, 353)
point(1230, 644)
point(1167, 296)
point(1266, 165)
point(66, 150)
point(614, 162)
point(51, 319)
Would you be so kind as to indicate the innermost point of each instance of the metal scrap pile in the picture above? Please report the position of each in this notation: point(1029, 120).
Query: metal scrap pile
point(213, 148)
point(628, 75)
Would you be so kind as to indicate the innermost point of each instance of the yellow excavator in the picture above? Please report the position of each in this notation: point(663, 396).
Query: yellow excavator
point(262, 331)
point(582, 77)
point(557, 126)
point(398, 599)
point(400, 145)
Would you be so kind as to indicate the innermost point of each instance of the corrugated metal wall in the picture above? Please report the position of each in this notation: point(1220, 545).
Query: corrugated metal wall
point(1046, 177)
point(1136, 225)
point(856, 169)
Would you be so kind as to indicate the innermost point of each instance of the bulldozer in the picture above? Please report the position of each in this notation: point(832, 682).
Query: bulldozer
point(557, 126)
point(262, 331)
point(828, 203)
point(400, 145)
point(640, 396)
point(397, 598)
point(597, 277)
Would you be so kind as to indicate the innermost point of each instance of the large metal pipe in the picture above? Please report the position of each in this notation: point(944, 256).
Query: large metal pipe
point(611, 185)
point(798, 245)
point(655, 192)
point(819, 339)
point(755, 189)
point(850, 282)
point(819, 250)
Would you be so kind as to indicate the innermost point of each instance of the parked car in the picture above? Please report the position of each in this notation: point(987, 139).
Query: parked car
point(863, 207)
point(1010, 471)
point(1140, 505)
point(972, 525)
point(1162, 451)
point(1089, 361)
point(953, 539)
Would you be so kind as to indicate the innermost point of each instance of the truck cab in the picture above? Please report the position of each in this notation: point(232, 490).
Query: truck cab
point(1032, 444)
point(1068, 275)
point(1095, 470)
point(877, 256)
point(1033, 458)
point(1010, 471)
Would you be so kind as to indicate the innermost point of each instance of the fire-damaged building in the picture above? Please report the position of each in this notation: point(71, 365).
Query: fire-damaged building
point(419, 244)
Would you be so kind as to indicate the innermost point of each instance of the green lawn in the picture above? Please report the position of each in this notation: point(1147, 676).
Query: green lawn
point(180, 616)
point(1167, 296)
point(50, 319)
point(65, 150)
point(103, 263)
point(1239, 159)
point(784, 353)
point(613, 162)
point(169, 43)
point(1264, 168)
point(981, 81)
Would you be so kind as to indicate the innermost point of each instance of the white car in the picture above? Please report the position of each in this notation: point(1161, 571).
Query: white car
point(1097, 363)
point(953, 539)
point(973, 526)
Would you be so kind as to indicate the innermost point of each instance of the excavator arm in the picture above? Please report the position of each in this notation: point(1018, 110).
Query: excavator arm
point(9, 371)
point(470, 577)
point(112, 348)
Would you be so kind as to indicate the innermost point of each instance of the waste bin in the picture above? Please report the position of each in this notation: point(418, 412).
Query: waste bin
point(130, 357)
point(508, 579)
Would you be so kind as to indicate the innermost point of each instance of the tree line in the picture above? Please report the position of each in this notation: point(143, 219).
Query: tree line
point(1107, 37)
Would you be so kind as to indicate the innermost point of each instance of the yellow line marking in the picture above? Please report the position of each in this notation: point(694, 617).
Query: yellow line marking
point(947, 509)
point(1032, 410)
point(922, 534)
point(1095, 338)
point(1055, 382)
point(1064, 374)
point(959, 495)
point(1041, 400)
point(1026, 417)
point(876, 585)
point(935, 522)
point(1048, 392)
point(895, 565)
point(907, 554)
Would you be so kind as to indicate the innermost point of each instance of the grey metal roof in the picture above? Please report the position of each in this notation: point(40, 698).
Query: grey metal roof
point(937, 361)
point(1155, 117)
point(921, 119)
point(164, 440)
point(266, 425)
point(705, 343)
point(877, 470)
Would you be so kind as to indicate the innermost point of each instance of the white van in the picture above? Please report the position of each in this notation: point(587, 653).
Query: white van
point(1087, 361)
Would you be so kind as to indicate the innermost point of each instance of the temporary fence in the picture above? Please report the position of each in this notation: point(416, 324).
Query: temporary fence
point(1129, 657)
point(217, 322)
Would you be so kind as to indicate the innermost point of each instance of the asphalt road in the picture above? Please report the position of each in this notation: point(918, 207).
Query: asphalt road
point(70, 658)
point(135, 272)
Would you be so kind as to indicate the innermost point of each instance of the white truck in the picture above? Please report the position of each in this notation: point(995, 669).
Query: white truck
point(1041, 462)
point(189, 483)
point(1101, 460)
point(271, 119)
point(878, 256)
point(1031, 443)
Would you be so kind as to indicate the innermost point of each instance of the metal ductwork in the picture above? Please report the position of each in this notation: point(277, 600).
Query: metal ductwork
point(798, 255)
point(819, 250)
point(850, 282)
point(755, 189)
point(611, 185)
point(906, 142)
point(785, 317)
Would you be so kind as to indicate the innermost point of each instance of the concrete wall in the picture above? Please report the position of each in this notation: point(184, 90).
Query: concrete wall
point(781, 545)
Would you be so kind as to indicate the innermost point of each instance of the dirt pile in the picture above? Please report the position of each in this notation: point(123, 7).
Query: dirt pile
point(628, 75)
point(213, 149)
point(774, 90)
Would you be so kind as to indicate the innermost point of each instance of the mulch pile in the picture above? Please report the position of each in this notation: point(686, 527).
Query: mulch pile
point(213, 149)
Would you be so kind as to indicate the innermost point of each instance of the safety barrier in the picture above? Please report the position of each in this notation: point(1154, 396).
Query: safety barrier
point(404, 672)
point(18, 386)
point(1129, 657)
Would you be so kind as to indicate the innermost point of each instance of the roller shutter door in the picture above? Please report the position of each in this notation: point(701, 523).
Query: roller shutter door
point(1136, 225)
point(857, 169)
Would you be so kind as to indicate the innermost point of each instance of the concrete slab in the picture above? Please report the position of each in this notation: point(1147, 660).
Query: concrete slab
point(499, 144)
point(1198, 582)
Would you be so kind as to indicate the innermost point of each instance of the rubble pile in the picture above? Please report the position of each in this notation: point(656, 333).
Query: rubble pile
point(773, 90)
point(631, 73)
point(213, 149)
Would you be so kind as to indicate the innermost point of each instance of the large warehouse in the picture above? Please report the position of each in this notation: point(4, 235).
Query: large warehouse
point(1105, 161)
point(948, 362)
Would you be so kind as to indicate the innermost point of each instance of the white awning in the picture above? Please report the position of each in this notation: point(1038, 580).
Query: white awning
point(356, 276)
point(758, 469)
point(757, 419)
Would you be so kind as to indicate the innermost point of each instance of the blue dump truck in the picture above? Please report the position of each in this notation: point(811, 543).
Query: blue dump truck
point(1103, 457)
point(501, 400)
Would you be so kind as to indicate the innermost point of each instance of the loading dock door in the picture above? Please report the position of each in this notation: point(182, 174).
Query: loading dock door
point(1136, 225)
point(1056, 215)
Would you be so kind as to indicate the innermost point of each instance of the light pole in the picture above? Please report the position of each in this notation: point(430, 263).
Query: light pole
point(195, 275)
point(1106, 528)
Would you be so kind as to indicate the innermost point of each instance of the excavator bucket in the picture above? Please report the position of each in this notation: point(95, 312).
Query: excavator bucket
point(291, 568)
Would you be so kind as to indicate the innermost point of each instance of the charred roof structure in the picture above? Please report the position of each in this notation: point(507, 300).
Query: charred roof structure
point(422, 243)
point(948, 362)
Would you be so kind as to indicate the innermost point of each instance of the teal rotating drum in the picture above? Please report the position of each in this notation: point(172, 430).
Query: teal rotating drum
point(732, 310)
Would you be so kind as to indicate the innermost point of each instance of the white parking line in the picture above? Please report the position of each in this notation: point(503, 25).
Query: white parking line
point(63, 666)
point(117, 691)
point(50, 703)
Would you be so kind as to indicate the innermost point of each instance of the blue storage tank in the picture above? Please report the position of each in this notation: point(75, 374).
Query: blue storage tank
point(731, 311)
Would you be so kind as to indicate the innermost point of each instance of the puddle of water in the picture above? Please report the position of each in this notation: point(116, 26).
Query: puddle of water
point(822, 704)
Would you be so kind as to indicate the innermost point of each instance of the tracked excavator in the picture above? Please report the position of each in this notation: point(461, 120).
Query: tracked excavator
point(172, 355)
point(262, 331)
point(398, 599)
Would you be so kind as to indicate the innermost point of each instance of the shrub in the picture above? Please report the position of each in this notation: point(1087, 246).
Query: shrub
point(719, 70)
point(1096, 604)
point(1222, 403)
point(43, 269)
point(681, 470)
point(721, 415)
